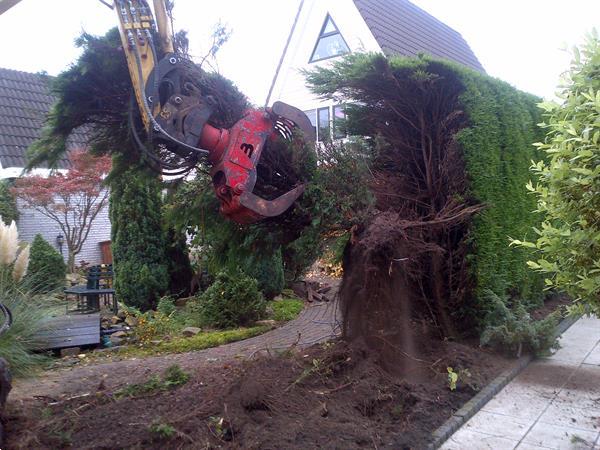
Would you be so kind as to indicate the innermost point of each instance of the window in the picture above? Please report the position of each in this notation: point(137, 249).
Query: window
point(328, 122)
point(339, 119)
point(330, 42)
point(323, 133)
point(312, 116)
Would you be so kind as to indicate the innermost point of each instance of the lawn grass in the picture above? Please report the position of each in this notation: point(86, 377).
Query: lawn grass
point(283, 310)
point(286, 309)
point(201, 341)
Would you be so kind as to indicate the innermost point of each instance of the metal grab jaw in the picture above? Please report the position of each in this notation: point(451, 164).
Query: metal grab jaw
point(234, 155)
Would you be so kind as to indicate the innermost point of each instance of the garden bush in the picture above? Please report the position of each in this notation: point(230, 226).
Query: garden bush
point(8, 204)
point(511, 329)
point(47, 269)
point(232, 300)
point(567, 185)
point(166, 305)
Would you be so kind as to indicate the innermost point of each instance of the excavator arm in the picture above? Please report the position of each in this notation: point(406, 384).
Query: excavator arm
point(176, 115)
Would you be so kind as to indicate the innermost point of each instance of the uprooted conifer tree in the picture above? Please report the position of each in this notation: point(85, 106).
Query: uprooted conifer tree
point(451, 150)
point(96, 92)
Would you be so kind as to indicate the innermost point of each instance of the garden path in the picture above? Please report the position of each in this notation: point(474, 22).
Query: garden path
point(553, 404)
point(318, 322)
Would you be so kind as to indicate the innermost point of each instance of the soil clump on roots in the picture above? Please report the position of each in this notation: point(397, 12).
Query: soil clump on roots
point(332, 395)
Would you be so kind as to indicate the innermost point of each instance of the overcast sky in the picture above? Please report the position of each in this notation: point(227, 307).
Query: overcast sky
point(517, 41)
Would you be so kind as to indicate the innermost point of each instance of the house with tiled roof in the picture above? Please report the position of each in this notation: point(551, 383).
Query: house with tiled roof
point(324, 30)
point(25, 100)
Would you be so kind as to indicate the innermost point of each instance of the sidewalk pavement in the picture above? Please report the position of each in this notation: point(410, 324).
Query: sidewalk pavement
point(553, 404)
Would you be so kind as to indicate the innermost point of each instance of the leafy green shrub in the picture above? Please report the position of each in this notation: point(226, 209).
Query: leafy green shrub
point(47, 269)
point(268, 271)
point(232, 300)
point(568, 187)
point(166, 306)
point(8, 205)
point(511, 329)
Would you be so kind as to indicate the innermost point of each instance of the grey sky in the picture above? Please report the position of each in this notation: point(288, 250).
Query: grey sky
point(517, 41)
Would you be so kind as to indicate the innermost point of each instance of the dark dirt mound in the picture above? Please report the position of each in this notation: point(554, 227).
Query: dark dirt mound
point(330, 396)
point(382, 289)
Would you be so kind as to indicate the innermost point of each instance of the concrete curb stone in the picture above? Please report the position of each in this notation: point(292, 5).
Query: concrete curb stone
point(469, 409)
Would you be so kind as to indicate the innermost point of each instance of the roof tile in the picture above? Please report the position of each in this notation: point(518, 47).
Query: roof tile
point(402, 28)
point(25, 99)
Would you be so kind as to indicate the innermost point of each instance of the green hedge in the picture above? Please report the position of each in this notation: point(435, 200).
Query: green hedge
point(498, 151)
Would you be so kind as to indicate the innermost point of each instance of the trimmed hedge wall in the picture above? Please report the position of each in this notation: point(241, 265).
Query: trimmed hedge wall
point(498, 151)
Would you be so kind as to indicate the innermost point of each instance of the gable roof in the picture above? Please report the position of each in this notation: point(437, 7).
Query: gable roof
point(402, 28)
point(25, 99)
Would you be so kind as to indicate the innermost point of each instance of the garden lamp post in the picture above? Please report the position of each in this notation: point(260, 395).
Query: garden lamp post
point(60, 240)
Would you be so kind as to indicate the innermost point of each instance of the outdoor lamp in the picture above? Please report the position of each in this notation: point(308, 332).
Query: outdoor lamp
point(60, 240)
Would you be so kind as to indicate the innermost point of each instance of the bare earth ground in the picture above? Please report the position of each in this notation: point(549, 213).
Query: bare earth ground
point(295, 387)
point(327, 395)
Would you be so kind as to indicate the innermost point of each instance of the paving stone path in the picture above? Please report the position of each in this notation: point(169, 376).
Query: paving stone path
point(553, 404)
point(318, 322)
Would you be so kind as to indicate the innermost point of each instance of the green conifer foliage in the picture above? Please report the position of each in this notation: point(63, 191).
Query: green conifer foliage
point(47, 269)
point(8, 205)
point(138, 244)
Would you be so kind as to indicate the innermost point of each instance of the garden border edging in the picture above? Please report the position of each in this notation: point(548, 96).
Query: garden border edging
point(469, 409)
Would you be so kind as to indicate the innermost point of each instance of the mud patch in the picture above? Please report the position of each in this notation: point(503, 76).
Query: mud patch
point(334, 395)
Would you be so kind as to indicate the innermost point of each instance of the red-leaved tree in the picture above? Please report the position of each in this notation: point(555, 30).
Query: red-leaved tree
point(72, 200)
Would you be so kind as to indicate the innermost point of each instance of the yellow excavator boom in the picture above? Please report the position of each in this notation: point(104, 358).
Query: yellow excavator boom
point(136, 22)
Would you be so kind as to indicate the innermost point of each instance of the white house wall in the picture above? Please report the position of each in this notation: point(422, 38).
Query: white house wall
point(32, 222)
point(290, 86)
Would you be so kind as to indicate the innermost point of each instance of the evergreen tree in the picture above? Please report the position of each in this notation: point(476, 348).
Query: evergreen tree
point(137, 240)
point(8, 205)
point(47, 269)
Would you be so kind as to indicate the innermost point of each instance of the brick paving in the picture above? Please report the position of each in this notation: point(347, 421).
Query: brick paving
point(318, 322)
point(553, 404)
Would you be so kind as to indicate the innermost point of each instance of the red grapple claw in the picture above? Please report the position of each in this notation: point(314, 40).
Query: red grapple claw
point(235, 153)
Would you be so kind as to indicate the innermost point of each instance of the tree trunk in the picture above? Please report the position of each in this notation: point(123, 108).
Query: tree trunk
point(439, 294)
point(71, 261)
